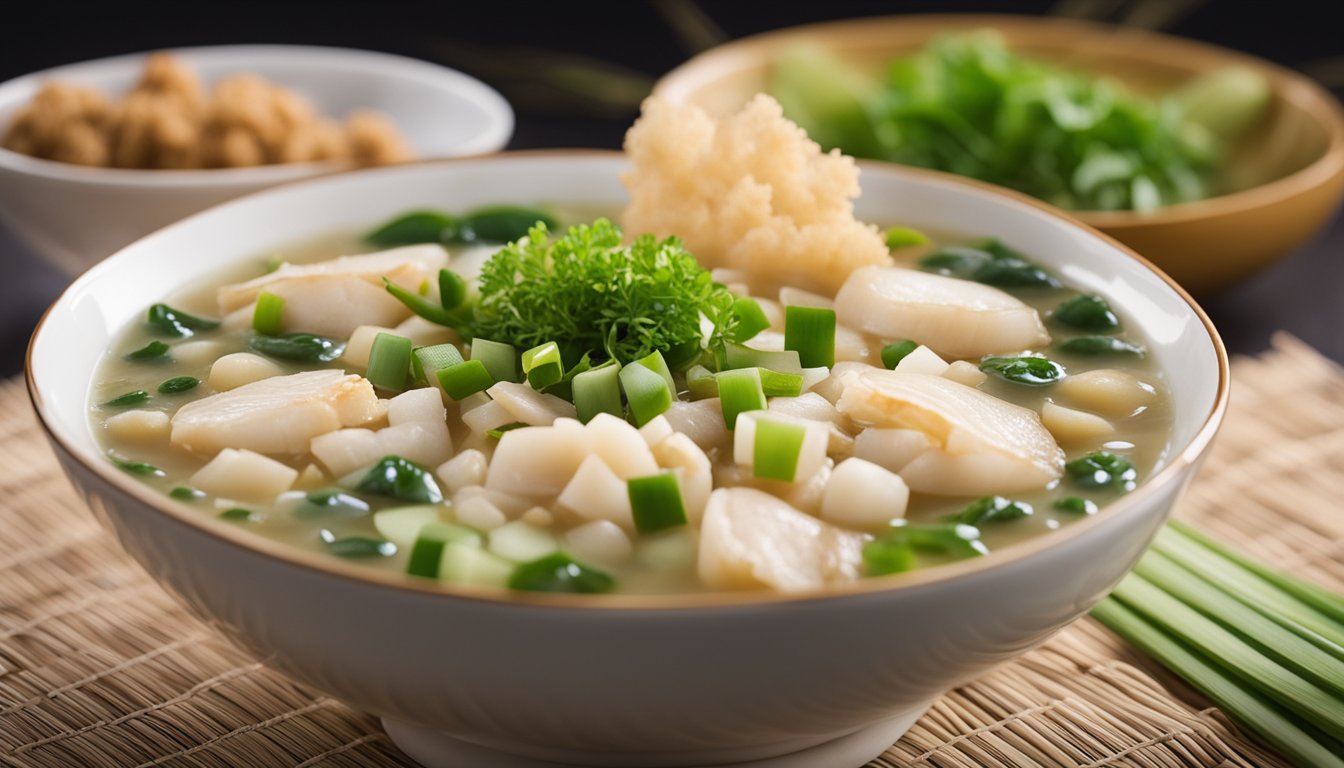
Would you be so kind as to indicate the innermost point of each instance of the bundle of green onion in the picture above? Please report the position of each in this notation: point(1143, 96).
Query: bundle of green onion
point(1266, 647)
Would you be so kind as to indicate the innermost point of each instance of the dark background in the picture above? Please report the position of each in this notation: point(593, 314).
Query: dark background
point(575, 72)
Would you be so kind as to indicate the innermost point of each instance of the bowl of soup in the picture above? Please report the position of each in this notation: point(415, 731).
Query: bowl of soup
point(444, 441)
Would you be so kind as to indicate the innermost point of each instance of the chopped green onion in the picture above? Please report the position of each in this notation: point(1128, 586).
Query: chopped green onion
point(268, 316)
point(465, 379)
point(427, 362)
point(332, 502)
point(498, 432)
point(1077, 505)
point(239, 515)
point(186, 493)
point(893, 551)
point(137, 397)
point(500, 224)
point(414, 228)
point(1031, 370)
point(500, 359)
point(740, 391)
point(452, 289)
point(904, 237)
point(357, 546)
point(738, 356)
point(178, 385)
point(701, 382)
point(894, 353)
point(884, 555)
point(542, 365)
point(655, 502)
point(957, 539)
point(558, 572)
point(175, 322)
point(646, 391)
point(389, 362)
point(773, 383)
point(134, 467)
point(1102, 469)
point(1100, 345)
point(432, 311)
point(991, 509)
point(429, 546)
point(401, 479)
point(751, 319)
point(154, 350)
point(1086, 312)
point(654, 362)
point(301, 347)
point(810, 331)
point(598, 390)
point(776, 450)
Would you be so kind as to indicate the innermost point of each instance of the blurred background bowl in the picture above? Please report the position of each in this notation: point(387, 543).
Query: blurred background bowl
point(1287, 171)
point(75, 215)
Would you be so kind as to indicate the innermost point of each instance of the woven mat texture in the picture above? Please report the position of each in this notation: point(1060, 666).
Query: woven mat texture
point(99, 667)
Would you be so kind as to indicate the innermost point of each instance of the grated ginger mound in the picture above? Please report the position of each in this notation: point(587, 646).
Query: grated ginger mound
point(749, 192)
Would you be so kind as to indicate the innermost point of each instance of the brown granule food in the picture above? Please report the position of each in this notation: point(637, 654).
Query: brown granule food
point(170, 121)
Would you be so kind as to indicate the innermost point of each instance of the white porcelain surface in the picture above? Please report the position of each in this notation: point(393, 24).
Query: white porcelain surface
point(75, 216)
point(615, 681)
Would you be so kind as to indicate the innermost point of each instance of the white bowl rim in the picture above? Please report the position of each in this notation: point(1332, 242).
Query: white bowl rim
point(920, 579)
point(498, 130)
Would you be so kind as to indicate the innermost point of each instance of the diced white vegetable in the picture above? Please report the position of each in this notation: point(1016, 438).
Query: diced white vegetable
point(277, 415)
point(466, 468)
point(529, 406)
point(863, 496)
point(1107, 391)
point(197, 352)
point(479, 513)
point(484, 418)
point(311, 478)
point(656, 430)
point(239, 320)
point(139, 426)
point(982, 445)
point(797, 297)
point(672, 550)
point(347, 450)
point(774, 312)
point(811, 455)
point(695, 474)
point(475, 400)
point(891, 448)
point(539, 517)
point(809, 405)
point(700, 420)
point(427, 443)
point(538, 461)
point(424, 404)
point(751, 540)
point(766, 341)
point(511, 504)
point(598, 541)
point(850, 345)
point(1071, 425)
point(520, 542)
point(923, 360)
point(841, 374)
point(956, 318)
point(244, 475)
point(401, 525)
point(618, 443)
point(964, 372)
point(814, 376)
point(359, 346)
point(423, 333)
point(597, 493)
point(234, 370)
point(461, 564)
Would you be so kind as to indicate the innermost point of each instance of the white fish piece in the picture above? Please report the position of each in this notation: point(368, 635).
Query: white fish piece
point(277, 415)
point(750, 539)
point(955, 318)
point(980, 444)
point(335, 297)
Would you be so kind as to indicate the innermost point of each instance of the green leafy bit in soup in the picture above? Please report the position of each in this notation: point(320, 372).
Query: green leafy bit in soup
point(1033, 370)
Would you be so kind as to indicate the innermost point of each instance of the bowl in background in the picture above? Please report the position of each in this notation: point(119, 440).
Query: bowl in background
point(526, 680)
point(75, 215)
point(1287, 170)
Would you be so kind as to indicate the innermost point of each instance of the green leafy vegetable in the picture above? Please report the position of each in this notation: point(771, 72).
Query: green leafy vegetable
point(894, 353)
point(1102, 469)
point(1100, 345)
point(655, 502)
point(401, 479)
point(452, 289)
point(989, 262)
point(268, 315)
point(239, 515)
point(558, 572)
point(904, 237)
point(137, 397)
point(500, 224)
point(357, 546)
point(1077, 505)
point(153, 351)
point(894, 550)
point(992, 509)
point(412, 228)
point(301, 347)
point(134, 467)
point(179, 384)
point(186, 493)
point(1086, 312)
point(597, 294)
point(751, 319)
point(332, 502)
point(1028, 369)
point(175, 322)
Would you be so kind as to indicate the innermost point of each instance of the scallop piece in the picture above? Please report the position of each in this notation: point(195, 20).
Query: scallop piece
point(335, 297)
point(955, 318)
point(277, 415)
point(980, 444)
point(1110, 392)
point(139, 426)
point(750, 539)
point(863, 496)
point(923, 360)
point(234, 370)
point(841, 373)
point(1072, 425)
point(537, 462)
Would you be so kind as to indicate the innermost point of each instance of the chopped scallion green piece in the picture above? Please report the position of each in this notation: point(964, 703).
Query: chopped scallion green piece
point(751, 319)
point(558, 572)
point(357, 546)
point(432, 311)
point(542, 365)
point(738, 356)
point(401, 479)
point(452, 289)
point(776, 450)
point(1100, 345)
point(414, 228)
point(137, 397)
point(389, 362)
point(186, 493)
point(990, 509)
point(332, 502)
point(894, 353)
point(498, 432)
point(268, 316)
point(598, 390)
point(301, 347)
point(175, 322)
point(810, 331)
point(904, 237)
point(1031, 370)
point(646, 391)
point(1102, 469)
point(654, 362)
point(135, 467)
point(1077, 505)
point(1086, 312)
point(178, 385)
point(429, 545)
point(655, 502)
point(239, 515)
point(426, 362)
point(154, 350)
point(465, 379)
point(740, 391)
point(500, 359)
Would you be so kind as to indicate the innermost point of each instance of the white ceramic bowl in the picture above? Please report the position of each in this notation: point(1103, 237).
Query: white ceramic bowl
point(484, 679)
point(75, 215)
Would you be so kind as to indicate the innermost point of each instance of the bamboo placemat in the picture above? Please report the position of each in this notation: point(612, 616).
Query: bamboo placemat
point(99, 667)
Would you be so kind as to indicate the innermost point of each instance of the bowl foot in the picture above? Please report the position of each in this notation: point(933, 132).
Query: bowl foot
point(435, 749)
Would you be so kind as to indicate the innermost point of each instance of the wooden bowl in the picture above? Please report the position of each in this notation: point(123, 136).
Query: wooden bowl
point(1286, 172)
